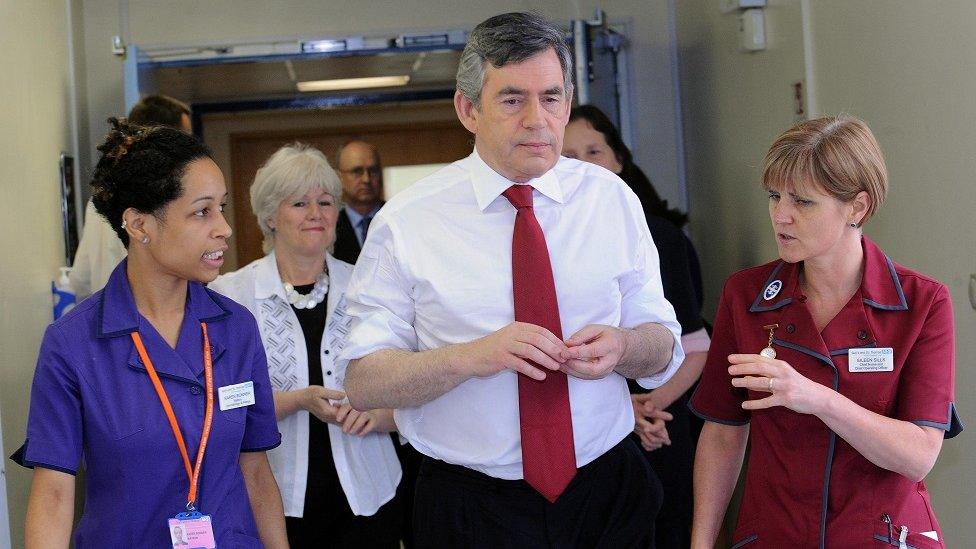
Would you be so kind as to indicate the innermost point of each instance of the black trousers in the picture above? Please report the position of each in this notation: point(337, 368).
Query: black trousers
point(674, 466)
point(612, 502)
point(334, 525)
point(328, 522)
point(410, 460)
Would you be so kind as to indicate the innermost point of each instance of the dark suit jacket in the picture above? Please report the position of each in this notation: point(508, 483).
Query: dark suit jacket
point(346, 245)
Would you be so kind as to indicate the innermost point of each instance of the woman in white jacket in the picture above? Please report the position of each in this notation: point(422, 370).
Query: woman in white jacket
point(336, 466)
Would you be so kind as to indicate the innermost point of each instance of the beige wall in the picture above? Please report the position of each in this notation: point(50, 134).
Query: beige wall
point(34, 108)
point(909, 69)
point(734, 105)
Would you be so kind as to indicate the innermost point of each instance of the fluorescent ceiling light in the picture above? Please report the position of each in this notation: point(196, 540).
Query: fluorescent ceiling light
point(353, 83)
point(324, 46)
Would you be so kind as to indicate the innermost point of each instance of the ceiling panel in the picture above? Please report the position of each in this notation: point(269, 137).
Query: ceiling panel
point(277, 78)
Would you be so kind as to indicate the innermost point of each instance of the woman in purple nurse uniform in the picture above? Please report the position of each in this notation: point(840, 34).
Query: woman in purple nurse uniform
point(154, 338)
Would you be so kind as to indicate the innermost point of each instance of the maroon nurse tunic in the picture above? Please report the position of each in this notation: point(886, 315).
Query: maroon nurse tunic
point(805, 486)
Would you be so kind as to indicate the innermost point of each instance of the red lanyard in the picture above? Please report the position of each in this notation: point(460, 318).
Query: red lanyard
point(193, 474)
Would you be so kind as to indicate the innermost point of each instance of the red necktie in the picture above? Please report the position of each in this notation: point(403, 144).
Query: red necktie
point(548, 452)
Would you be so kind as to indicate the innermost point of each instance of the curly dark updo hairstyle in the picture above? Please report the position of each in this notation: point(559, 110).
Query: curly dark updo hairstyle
point(142, 168)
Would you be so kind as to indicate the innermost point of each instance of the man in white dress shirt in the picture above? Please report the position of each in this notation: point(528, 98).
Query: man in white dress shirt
point(435, 292)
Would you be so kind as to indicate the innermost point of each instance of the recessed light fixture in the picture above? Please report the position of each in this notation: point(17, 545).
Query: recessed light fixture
point(318, 46)
point(353, 83)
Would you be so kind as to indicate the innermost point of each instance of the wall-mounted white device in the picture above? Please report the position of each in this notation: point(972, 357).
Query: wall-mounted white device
point(729, 6)
point(752, 30)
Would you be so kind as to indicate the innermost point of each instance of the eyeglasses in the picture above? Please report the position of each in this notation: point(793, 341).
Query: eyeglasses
point(359, 171)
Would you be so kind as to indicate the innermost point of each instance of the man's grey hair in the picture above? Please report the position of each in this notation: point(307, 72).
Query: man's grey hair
point(509, 38)
point(292, 170)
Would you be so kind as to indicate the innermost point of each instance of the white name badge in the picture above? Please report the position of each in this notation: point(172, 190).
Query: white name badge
point(872, 359)
point(236, 396)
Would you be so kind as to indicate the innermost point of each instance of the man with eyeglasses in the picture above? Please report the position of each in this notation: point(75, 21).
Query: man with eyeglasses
point(361, 173)
point(362, 192)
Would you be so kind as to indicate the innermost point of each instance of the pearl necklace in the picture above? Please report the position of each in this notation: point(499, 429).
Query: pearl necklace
point(311, 300)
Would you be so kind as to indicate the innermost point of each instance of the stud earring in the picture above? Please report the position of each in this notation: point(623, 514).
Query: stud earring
point(123, 224)
point(145, 240)
point(853, 225)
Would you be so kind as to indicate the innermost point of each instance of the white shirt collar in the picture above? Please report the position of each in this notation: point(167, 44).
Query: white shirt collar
point(267, 278)
point(489, 184)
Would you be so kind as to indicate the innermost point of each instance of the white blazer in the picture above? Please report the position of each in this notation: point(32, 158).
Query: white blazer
point(368, 468)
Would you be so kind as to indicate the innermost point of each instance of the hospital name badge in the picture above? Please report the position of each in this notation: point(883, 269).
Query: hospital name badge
point(236, 396)
point(873, 359)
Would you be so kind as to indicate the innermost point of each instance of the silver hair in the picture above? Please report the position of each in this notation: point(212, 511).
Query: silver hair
point(509, 38)
point(292, 170)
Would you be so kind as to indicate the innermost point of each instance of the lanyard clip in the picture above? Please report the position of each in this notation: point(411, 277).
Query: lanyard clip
point(190, 507)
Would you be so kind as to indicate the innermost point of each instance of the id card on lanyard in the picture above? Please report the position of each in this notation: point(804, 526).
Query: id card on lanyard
point(190, 529)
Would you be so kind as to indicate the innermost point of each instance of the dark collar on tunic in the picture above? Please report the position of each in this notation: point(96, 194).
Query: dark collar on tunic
point(118, 316)
point(880, 286)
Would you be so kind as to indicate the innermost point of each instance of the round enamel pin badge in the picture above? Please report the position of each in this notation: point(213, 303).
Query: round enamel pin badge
point(772, 290)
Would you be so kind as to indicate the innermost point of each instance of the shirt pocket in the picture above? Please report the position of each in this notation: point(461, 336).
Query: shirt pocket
point(887, 533)
point(746, 533)
point(246, 541)
point(235, 415)
point(125, 414)
point(748, 540)
point(128, 425)
point(871, 390)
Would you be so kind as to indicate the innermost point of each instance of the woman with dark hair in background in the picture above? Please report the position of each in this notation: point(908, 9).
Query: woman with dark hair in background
point(155, 375)
point(597, 140)
point(663, 423)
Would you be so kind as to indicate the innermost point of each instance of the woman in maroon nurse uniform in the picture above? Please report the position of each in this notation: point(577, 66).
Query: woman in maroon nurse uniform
point(833, 362)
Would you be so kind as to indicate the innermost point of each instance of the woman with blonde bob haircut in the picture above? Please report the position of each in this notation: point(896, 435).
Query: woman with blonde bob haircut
point(833, 362)
point(336, 466)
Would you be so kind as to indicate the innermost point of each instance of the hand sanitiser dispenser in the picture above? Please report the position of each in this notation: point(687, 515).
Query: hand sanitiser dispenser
point(64, 296)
